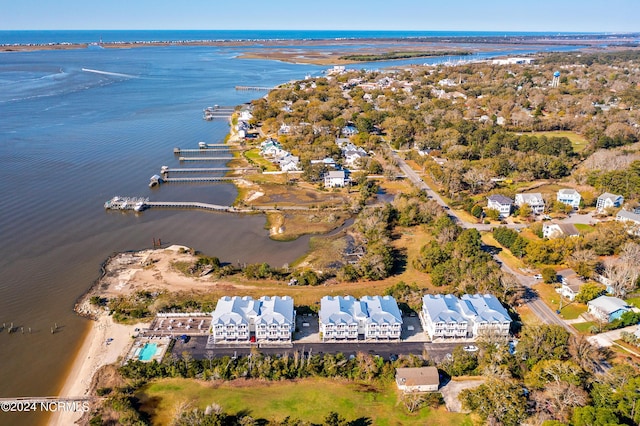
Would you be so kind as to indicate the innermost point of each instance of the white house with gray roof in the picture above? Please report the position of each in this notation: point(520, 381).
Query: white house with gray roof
point(346, 318)
point(501, 203)
point(607, 200)
point(570, 197)
point(534, 199)
point(238, 318)
point(607, 308)
point(468, 317)
point(631, 220)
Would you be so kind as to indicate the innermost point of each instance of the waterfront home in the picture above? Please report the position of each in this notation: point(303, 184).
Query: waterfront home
point(468, 317)
point(418, 379)
point(270, 148)
point(631, 220)
point(241, 319)
point(570, 284)
point(500, 203)
point(289, 163)
point(336, 179)
point(557, 230)
point(533, 199)
point(608, 200)
point(372, 317)
point(607, 308)
point(570, 197)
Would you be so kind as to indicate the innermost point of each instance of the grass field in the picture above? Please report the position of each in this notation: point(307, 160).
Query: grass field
point(505, 255)
point(584, 228)
point(253, 155)
point(308, 399)
point(583, 327)
point(634, 301)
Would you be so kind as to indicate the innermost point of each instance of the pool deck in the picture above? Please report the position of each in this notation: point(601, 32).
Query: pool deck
point(177, 325)
point(161, 342)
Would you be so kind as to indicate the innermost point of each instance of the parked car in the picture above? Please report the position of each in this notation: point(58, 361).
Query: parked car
point(470, 348)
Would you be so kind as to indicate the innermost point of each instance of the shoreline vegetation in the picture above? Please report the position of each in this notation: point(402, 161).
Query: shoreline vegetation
point(388, 56)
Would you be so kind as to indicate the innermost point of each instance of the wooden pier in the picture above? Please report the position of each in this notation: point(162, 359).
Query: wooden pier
point(190, 205)
point(206, 169)
point(205, 158)
point(257, 88)
point(205, 150)
point(199, 179)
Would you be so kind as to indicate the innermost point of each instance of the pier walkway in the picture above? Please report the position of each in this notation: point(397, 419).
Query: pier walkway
point(207, 169)
point(259, 88)
point(205, 150)
point(205, 158)
point(199, 179)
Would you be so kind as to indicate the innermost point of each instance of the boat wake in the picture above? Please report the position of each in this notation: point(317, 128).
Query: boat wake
point(115, 74)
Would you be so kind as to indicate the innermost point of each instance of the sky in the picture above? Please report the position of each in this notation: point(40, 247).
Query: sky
point(421, 15)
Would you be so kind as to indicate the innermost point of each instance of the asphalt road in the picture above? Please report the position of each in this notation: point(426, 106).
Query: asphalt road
point(197, 348)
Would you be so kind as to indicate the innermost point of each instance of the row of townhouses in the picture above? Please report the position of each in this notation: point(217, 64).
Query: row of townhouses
point(469, 316)
point(272, 319)
point(535, 201)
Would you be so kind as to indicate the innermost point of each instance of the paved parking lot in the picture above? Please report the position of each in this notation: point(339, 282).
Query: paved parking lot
point(179, 325)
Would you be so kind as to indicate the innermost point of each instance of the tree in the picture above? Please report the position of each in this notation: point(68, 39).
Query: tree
point(588, 356)
point(543, 342)
point(590, 291)
point(594, 416)
point(583, 262)
point(496, 401)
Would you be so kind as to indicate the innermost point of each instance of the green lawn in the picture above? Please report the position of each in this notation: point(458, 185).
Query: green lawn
point(253, 155)
point(583, 327)
point(308, 399)
point(584, 228)
point(634, 301)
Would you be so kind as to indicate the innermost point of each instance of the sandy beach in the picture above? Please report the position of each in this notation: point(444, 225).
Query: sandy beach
point(94, 353)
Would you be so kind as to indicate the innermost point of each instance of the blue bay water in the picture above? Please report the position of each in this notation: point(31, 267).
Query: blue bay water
point(70, 139)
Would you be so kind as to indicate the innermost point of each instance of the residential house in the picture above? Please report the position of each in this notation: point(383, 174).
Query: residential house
point(570, 197)
point(270, 148)
point(328, 161)
point(242, 319)
point(533, 199)
point(607, 308)
point(336, 179)
point(570, 284)
point(557, 230)
point(289, 163)
point(488, 315)
point(418, 379)
point(339, 318)
point(501, 203)
point(631, 220)
point(468, 317)
point(349, 130)
point(441, 316)
point(233, 318)
point(608, 200)
point(384, 320)
point(372, 317)
point(276, 321)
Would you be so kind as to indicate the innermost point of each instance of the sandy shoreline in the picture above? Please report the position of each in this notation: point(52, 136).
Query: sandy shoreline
point(94, 353)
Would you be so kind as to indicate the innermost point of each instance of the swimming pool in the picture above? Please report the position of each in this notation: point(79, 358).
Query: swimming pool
point(148, 351)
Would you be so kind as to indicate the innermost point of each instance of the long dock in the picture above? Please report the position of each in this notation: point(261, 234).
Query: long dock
point(199, 179)
point(254, 88)
point(205, 158)
point(190, 205)
point(205, 150)
point(206, 169)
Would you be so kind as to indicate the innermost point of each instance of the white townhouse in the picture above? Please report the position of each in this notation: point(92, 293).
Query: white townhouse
point(631, 220)
point(501, 203)
point(441, 316)
point(373, 317)
point(339, 317)
point(488, 316)
point(239, 318)
point(468, 317)
point(276, 320)
point(557, 230)
point(607, 200)
point(233, 318)
point(534, 199)
point(384, 320)
point(570, 197)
